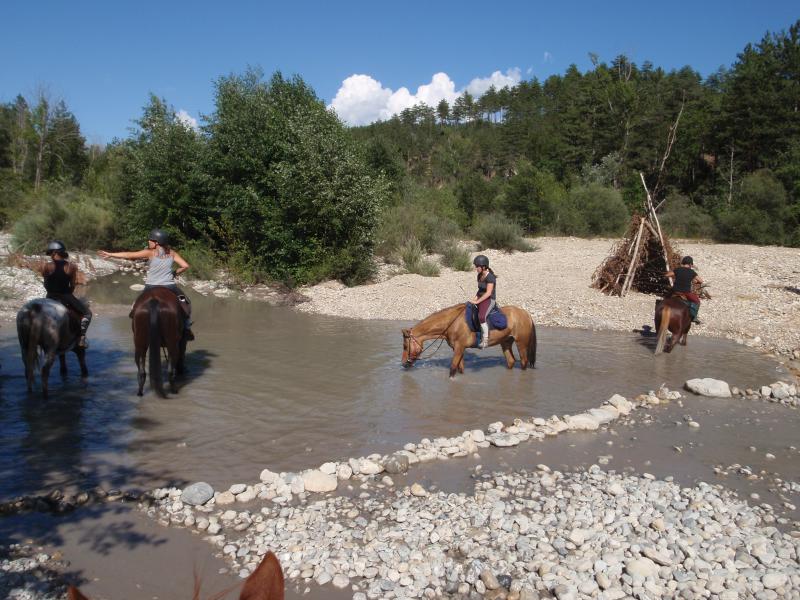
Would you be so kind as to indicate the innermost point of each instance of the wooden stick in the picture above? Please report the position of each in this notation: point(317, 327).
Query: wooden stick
point(632, 268)
point(658, 226)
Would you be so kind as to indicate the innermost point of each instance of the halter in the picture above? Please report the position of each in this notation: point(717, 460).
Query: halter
point(441, 337)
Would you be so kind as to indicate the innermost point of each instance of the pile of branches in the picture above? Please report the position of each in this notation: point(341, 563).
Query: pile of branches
point(638, 261)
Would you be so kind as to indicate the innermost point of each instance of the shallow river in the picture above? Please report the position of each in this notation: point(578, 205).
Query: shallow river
point(270, 387)
point(273, 388)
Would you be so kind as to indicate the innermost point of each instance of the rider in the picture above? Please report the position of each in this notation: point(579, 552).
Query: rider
point(486, 295)
point(60, 279)
point(685, 276)
point(161, 257)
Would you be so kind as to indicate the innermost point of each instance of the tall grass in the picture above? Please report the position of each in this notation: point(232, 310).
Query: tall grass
point(413, 258)
point(454, 256)
point(498, 232)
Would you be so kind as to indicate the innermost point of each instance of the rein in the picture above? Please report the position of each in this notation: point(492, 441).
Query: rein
point(441, 337)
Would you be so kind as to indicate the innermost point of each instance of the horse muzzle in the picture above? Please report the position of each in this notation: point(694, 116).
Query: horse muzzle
point(408, 363)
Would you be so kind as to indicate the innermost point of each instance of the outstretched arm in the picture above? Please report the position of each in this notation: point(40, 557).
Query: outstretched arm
point(128, 255)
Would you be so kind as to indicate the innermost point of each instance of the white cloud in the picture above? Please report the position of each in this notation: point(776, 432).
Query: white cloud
point(187, 119)
point(548, 58)
point(362, 99)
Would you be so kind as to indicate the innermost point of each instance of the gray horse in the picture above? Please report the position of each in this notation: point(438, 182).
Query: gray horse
point(47, 324)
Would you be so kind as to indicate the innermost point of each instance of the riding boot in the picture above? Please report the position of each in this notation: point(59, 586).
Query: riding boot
point(187, 330)
point(484, 335)
point(82, 343)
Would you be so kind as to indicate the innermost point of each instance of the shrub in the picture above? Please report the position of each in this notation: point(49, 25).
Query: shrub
point(80, 221)
point(414, 261)
point(683, 218)
point(201, 259)
point(501, 233)
point(455, 257)
point(602, 209)
point(13, 198)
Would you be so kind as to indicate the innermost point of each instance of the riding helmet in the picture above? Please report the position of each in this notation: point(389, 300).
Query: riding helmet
point(687, 260)
point(159, 236)
point(56, 246)
point(481, 261)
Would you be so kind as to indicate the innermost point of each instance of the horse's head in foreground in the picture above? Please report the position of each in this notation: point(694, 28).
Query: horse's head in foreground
point(265, 583)
point(411, 348)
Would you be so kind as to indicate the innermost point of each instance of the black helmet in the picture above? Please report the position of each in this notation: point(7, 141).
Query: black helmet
point(687, 260)
point(56, 246)
point(159, 236)
point(481, 261)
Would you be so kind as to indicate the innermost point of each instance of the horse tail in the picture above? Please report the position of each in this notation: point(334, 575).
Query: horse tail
point(154, 338)
point(532, 343)
point(662, 329)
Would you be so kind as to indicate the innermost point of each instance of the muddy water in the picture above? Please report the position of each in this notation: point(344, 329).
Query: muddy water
point(270, 387)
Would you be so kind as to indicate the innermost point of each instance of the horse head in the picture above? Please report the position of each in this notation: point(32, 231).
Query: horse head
point(411, 348)
point(265, 583)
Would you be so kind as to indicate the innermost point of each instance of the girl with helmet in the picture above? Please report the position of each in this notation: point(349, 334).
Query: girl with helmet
point(485, 297)
point(685, 276)
point(161, 258)
point(60, 279)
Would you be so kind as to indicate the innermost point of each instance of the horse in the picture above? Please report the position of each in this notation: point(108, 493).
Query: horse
point(49, 325)
point(450, 324)
point(265, 583)
point(158, 322)
point(671, 314)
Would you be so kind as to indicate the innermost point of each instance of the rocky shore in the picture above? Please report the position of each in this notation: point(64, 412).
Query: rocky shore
point(521, 534)
point(29, 573)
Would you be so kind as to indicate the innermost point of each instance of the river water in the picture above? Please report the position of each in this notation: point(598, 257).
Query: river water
point(273, 388)
point(270, 387)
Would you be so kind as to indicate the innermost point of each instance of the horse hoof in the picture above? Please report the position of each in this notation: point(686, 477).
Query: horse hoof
point(139, 393)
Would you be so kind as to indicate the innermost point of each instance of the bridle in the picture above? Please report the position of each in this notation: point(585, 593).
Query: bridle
point(411, 338)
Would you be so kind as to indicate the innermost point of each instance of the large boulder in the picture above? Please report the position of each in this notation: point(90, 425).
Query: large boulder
point(713, 388)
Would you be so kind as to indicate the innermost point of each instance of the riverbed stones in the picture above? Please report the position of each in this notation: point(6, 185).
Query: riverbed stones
point(581, 422)
point(224, 498)
point(197, 494)
point(396, 463)
point(369, 467)
point(707, 386)
point(320, 482)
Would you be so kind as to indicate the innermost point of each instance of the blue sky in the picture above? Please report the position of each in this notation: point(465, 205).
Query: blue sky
point(104, 58)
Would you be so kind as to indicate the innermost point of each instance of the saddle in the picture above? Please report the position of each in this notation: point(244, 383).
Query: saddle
point(694, 307)
point(496, 319)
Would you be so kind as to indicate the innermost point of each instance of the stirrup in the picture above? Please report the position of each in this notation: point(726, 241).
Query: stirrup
point(187, 333)
point(82, 342)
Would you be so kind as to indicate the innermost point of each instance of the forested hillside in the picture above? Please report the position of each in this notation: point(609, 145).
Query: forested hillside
point(273, 186)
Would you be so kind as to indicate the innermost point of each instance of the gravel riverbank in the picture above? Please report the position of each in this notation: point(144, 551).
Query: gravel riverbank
point(756, 291)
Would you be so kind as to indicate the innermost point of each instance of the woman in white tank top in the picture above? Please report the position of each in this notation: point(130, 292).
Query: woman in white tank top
point(161, 258)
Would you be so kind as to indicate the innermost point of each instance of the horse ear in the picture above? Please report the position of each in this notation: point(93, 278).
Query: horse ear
point(266, 582)
point(74, 593)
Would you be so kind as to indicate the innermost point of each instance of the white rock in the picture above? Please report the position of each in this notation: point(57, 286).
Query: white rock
point(268, 476)
point(369, 467)
point(581, 422)
point(418, 490)
point(478, 435)
point(343, 471)
point(621, 404)
point(707, 386)
point(774, 580)
point(643, 567)
point(605, 414)
point(224, 498)
point(317, 481)
point(137, 287)
point(329, 468)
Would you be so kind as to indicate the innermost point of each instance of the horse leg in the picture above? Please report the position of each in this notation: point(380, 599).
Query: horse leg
point(458, 358)
point(62, 364)
point(49, 359)
point(461, 365)
point(181, 367)
point(173, 353)
point(141, 373)
point(81, 354)
point(508, 352)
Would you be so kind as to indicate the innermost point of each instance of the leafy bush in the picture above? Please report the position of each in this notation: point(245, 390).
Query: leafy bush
point(455, 257)
point(683, 218)
point(501, 233)
point(80, 221)
point(13, 198)
point(758, 213)
point(429, 215)
point(414, 261)
point(601, 208)
point(535, 198)
point(201, 258)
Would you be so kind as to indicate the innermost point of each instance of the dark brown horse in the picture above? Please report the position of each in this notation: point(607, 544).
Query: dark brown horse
point(265, 583)
point(672, 315)
point(450, 325)
point(158, 322)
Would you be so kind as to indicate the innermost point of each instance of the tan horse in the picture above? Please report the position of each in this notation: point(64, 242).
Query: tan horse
point(265, 583)
point(450, 325)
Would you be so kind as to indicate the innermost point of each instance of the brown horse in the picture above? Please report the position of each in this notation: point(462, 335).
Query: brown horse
point(158, 322)
point(450, 325)
point(671, 314)
point(265, 583)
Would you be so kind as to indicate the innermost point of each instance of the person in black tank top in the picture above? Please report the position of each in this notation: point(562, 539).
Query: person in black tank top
point(685, 276)
point(485, 297)
point(60, 278)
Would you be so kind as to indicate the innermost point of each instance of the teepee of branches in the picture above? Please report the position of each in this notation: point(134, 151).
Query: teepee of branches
point(639, 260)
